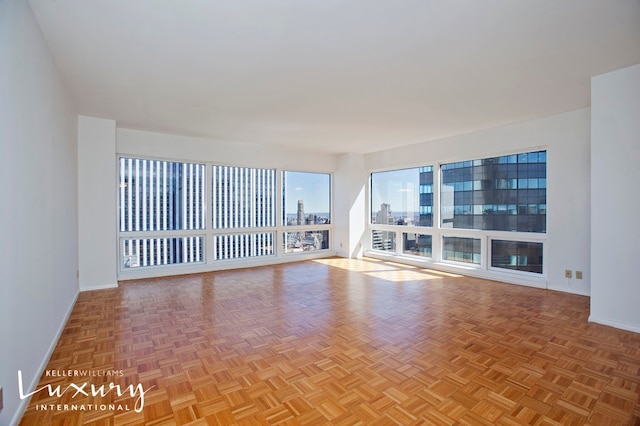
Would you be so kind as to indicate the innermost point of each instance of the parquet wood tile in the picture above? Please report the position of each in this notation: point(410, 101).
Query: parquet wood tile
point(339, 342)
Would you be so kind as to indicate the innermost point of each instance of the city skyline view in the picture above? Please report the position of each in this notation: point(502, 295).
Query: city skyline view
point(393, 217)
point(156, 196)
point(400, 190)
point(313, 189)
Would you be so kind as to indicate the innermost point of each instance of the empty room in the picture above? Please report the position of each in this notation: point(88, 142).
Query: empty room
point(319, 213)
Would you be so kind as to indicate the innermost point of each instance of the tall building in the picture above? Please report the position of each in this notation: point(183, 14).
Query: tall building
point(507, 193)
point(384, 215)
point(426, 196)
point(311, 219)
point(300, 212)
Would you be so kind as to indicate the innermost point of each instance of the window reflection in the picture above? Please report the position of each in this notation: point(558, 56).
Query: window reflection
point(402, 197)
point(505, 193)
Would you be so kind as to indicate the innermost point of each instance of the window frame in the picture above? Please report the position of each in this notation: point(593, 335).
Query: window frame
point(213, 233)
point(124, 235)
point(284, 209)
point(524, 239)
point(468, 191)
point(209, 260)
point(418, 194)
point(438, 232)
point(404, 253)
point(284, 229)
point(481, 262)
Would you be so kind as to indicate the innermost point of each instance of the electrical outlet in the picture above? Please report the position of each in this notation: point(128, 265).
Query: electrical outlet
point(567, 273)
point(578, 275)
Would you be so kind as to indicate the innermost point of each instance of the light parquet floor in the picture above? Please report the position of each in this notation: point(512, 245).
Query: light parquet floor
point(341, 342)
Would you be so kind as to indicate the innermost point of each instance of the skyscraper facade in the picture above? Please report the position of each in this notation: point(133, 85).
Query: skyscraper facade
point(300, 212)
point(384, 216)
point(426, 196)
point(507, 193)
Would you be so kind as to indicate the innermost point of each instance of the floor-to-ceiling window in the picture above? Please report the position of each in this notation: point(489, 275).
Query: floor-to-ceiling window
point(179, 213)
point(487, 213)
point(306, 213)
point(162, 212)
point(507, 194)
point(243, 211)
point(402, 211)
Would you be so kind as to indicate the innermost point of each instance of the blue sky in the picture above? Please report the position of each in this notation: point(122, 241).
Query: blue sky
point(312, 188)
point(398, 188)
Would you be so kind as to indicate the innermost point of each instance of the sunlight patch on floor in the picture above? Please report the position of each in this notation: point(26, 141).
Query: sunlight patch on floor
point(357, 265)
point(403, 275)
point(383, 269)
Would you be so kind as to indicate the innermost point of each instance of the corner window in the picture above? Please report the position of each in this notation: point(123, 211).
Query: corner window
point(402, 197)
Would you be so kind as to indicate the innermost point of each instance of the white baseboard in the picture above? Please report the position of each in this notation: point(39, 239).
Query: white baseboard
point(570, 290)
point(509, 278)
point(100, 287)
point(25, 402)
point(219, 265)
point(615, 324)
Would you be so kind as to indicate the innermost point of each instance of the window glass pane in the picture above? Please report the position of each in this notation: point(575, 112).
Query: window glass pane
point(160, 195)
point(297, 242)
point(383, 240)
point(517, 255)
point(143, 252)
point(416, 244)
point(306, 198)
point(243, 197)
point(236, 246)
point(461, 249)
point(483, 194)
point(402, 197)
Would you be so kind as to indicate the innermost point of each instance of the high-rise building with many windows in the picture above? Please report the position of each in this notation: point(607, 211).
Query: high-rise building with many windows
point(384, 216)
point(300, 212)
point(165, 204)
point(507, 193)
point(159, 196)
point(426, 196)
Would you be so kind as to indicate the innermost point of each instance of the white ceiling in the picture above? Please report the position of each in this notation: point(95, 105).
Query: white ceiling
point(334, 75)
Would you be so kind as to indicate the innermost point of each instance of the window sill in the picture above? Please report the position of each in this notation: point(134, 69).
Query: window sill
point(518, 278)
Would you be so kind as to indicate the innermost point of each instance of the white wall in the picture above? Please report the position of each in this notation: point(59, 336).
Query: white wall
point(162, 145)
point(615, 204)
point(349, 210)
point(99, 142)
point(39, 252)
point(566, 139)
point(97, 226)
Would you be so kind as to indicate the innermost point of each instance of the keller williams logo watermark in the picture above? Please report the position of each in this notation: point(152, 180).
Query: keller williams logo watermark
point(86, 389)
